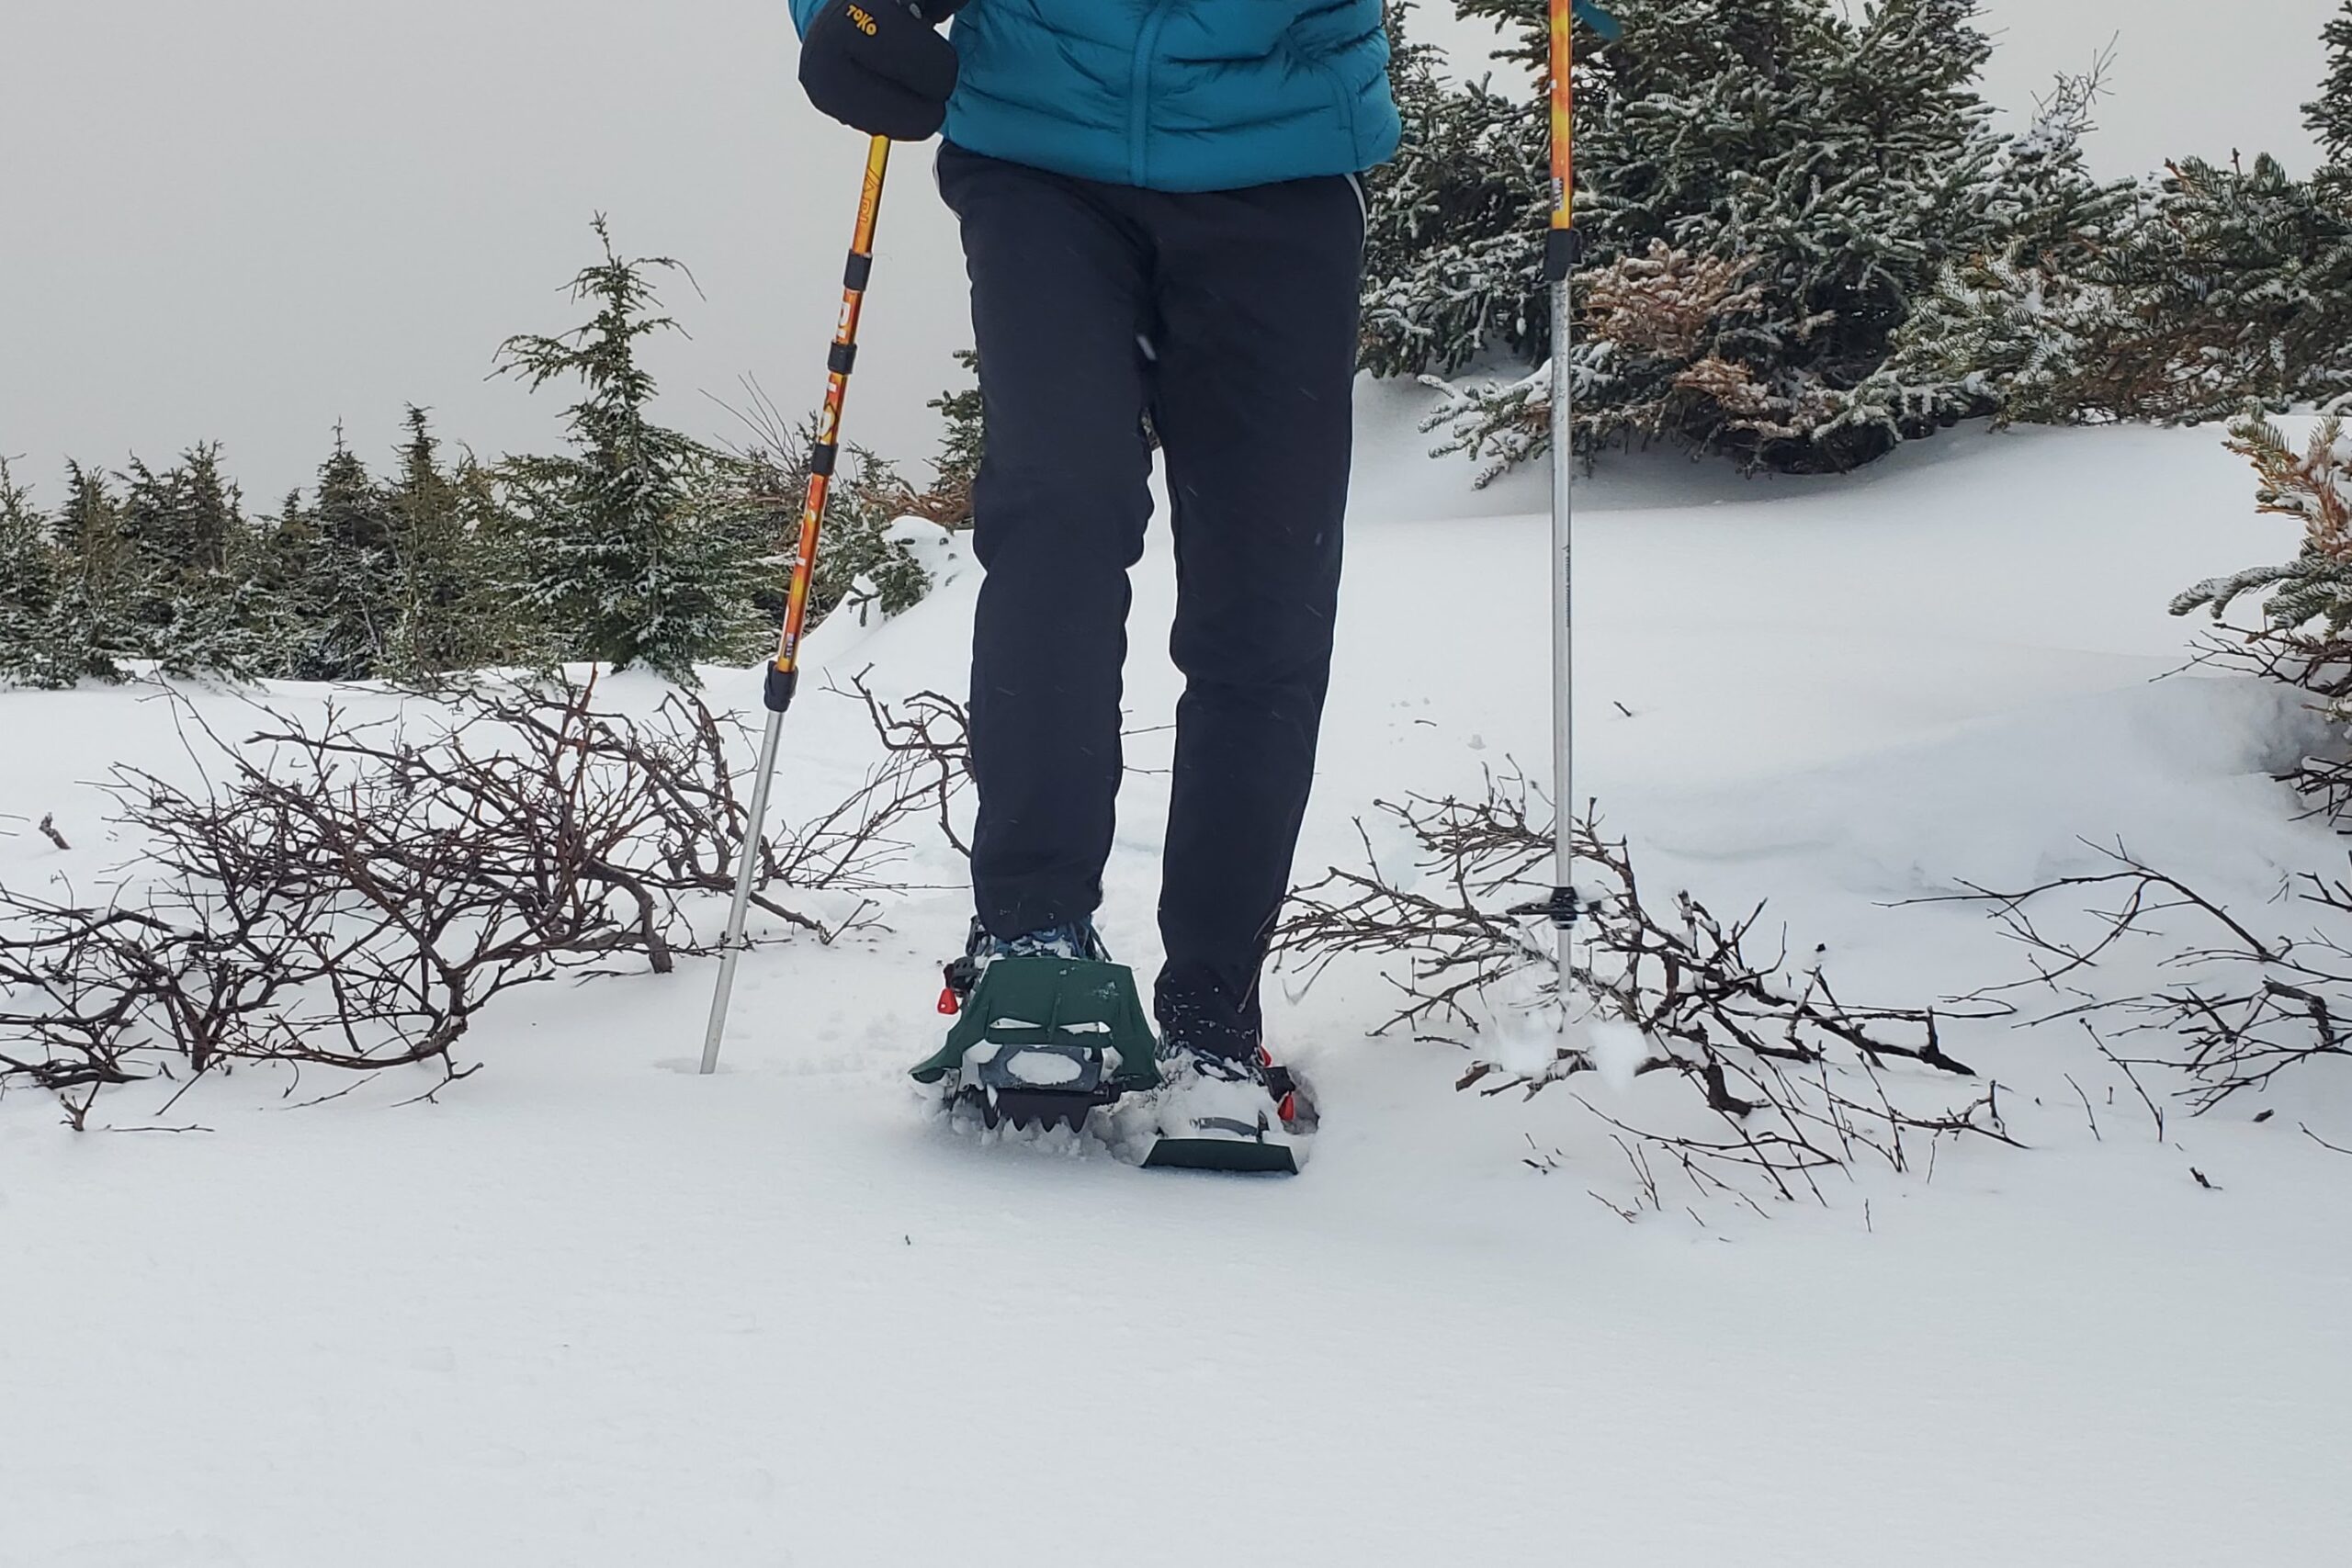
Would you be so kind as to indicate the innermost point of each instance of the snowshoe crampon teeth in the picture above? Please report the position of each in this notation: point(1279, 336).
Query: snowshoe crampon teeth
point(1028, 1111)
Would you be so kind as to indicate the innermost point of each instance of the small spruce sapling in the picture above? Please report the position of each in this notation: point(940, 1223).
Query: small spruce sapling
point(450, 608)
point(622, 554)
point(2010, 329)
point(336, 568)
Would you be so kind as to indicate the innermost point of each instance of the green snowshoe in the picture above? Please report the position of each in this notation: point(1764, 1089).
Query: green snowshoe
point(1042, 1042)
point(1049, 1031)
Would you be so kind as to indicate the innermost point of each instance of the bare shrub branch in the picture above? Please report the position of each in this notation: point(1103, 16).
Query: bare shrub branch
point(352, 893)
point(1797, 1076)
point(928, 737)
point(2243, 1009)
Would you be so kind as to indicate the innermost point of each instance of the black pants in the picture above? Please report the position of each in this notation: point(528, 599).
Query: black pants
point(1230, 318)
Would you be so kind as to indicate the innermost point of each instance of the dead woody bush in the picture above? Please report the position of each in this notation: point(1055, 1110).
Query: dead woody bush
point(350, 894)
point(2239, 1007)
point(1797, 1080)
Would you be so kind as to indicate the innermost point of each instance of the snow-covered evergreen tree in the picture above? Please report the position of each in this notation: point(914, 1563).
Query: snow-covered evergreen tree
point(1454, 259)
point(2237, 289)
point(28, 573)
point(2008, 330)
point(449, 607)
point(622, 556)
point(334, 574)
point(1847, 160)
point(93, 631)
point(2330, 115)
point(202, 571)
point(1837, 162)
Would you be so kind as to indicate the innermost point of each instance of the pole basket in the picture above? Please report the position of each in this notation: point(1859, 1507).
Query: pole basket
point(1563, 909)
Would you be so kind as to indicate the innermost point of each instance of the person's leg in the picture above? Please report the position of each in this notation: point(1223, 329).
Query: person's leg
point(1258, 319)
point(1060, 505)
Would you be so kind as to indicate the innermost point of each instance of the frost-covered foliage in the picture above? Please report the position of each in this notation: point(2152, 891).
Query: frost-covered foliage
point(1454, 260)
point(2307, 600)
point(2237, 288)
point(2003, 331)
point(2228, 285)
point(1850, 158)
point(1840, 162)
point(1902, 267)
point(2182, 299)
point(1653, 367)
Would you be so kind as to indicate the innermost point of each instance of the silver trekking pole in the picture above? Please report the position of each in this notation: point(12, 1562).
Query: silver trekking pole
point(1561, 254)
point(783, 674)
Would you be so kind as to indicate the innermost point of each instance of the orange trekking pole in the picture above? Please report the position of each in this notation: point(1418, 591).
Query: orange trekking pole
point(784, 671)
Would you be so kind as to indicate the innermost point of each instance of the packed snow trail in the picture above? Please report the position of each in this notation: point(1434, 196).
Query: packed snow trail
point(592, 1309)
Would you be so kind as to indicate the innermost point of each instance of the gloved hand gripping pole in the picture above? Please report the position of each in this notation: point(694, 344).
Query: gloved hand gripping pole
point(783, 672)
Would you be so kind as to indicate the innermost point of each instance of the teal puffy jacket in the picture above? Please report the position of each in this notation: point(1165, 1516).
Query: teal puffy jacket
point(1173, 95)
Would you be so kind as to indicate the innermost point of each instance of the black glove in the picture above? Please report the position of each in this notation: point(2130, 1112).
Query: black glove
point(881, 65)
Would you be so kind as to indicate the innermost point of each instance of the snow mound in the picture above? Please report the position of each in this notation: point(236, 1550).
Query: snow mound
point(584, 1310)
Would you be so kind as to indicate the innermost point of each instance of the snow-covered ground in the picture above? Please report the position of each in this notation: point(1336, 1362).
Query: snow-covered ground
point(591, 1309)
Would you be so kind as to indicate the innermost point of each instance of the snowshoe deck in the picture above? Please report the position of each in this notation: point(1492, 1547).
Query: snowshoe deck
point(1048, 1041)
point(1044, 1042)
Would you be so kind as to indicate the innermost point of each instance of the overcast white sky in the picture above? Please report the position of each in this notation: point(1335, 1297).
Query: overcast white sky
point(245, 219)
